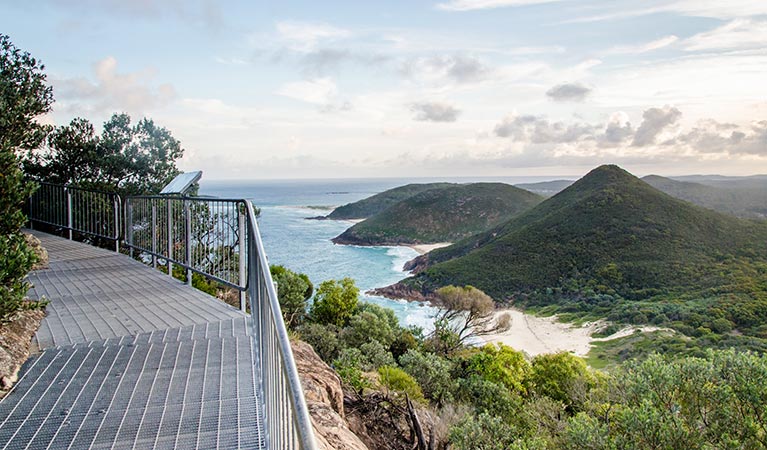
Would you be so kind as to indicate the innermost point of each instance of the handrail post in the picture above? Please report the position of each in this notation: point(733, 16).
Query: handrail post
point(170, 237)
point(154, 234)
point(188, 240)
point(69, 211)
point(129, 226)
point(242, 256)
point(118, 207)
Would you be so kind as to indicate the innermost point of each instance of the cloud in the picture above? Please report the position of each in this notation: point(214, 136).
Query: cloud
point(468, 5)
point(617, 131)
point(715, 9)
point(434, 112)
point(322, 61)
point(654, 122)
point(320, 91)
point(568, 92)
point(113, 91)
point(737, 34)
point(305, 36)
point(647, 47)
point(538, 130)
point(456, 68)
point(713, 137)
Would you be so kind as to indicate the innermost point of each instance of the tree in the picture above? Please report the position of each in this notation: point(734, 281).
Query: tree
point(559, 376)
point(432, 373)
point(465, 312)
point(335, 302)
point(293, 291)
point(24, 96)
point(126, 158)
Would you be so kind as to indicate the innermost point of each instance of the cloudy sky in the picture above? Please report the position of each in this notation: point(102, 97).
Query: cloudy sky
point(267, 89)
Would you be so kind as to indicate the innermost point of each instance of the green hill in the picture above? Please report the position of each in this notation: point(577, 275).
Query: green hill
point(736, 198)
point(611, 245)
point(442, 215)
point(374, 204)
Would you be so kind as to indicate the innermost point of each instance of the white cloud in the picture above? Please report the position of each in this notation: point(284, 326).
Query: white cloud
point(468, 5)
point(319, 92)
point(112, 91)
point(656, 44)
point(654, 122)
point(737, 34)
point(305, 36)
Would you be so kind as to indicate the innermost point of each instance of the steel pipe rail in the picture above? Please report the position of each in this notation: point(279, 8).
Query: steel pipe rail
point(288, 424)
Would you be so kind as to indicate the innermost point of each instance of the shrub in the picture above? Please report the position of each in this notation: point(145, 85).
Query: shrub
point(322, 338)
point(432, 373)
point(335, 302)
point(399, 382)
point(24, 95)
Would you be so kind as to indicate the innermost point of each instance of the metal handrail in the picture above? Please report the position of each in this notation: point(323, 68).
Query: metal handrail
point(279, 375)
point(164, 228)
point(86, 211)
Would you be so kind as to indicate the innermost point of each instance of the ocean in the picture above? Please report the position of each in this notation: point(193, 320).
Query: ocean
point(304, 245)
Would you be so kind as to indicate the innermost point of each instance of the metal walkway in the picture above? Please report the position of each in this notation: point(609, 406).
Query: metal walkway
point(131, 359)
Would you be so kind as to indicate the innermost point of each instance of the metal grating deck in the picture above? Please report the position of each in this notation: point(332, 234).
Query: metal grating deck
point(132, 359)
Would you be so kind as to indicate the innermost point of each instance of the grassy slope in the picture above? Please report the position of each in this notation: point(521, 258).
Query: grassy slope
point(441, 215)
point(742, 202)
point(612, 245)
point(374, 204)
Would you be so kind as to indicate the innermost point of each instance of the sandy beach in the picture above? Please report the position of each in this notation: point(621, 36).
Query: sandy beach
point(537, 335)
point(426, 248)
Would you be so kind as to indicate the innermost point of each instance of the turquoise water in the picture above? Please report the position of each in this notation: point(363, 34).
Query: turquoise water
point(304, 245)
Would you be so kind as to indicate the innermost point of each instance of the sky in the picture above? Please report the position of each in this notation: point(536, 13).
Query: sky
point(410, 88)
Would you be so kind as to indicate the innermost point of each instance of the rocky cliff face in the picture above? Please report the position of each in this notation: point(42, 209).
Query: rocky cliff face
point(325, 400)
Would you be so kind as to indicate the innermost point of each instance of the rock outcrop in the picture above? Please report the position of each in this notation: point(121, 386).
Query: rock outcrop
point(325, 400)
point(15, 338)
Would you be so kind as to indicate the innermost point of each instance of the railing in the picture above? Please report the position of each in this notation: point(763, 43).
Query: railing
point(86, 211)
point(284, 397)
point(201, 235)
point(217, 238)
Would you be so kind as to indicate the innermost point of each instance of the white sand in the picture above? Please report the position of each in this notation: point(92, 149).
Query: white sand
point(426, 248)
point(537, 335)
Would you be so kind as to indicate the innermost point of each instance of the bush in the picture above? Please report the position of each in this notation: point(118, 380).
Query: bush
point(371, 323)
point(375, 355)
point(348, 365)
point(335, 302)
point(559, 376)
point(399, 382)
point(432, 373)
point(484, 432)
point(293, 292)
point(24, 95)
point(322, 338)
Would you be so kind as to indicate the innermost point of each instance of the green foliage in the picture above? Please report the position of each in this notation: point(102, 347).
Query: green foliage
point(348, 365)
point(500, 364)
point(24, 95)
point(484, 432)
point(334, 302)
point(293, 291)
point(559, 376)
point(713, 402)
point(400, 383)
point(371, 323)
point(444, 214)
point(433, 374)
point(373, 205)
point(322, 338)
point(489, 397)
point(374, 355)
point(125, 158)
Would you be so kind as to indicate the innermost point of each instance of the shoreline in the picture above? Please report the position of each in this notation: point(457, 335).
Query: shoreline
point(422, 249)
